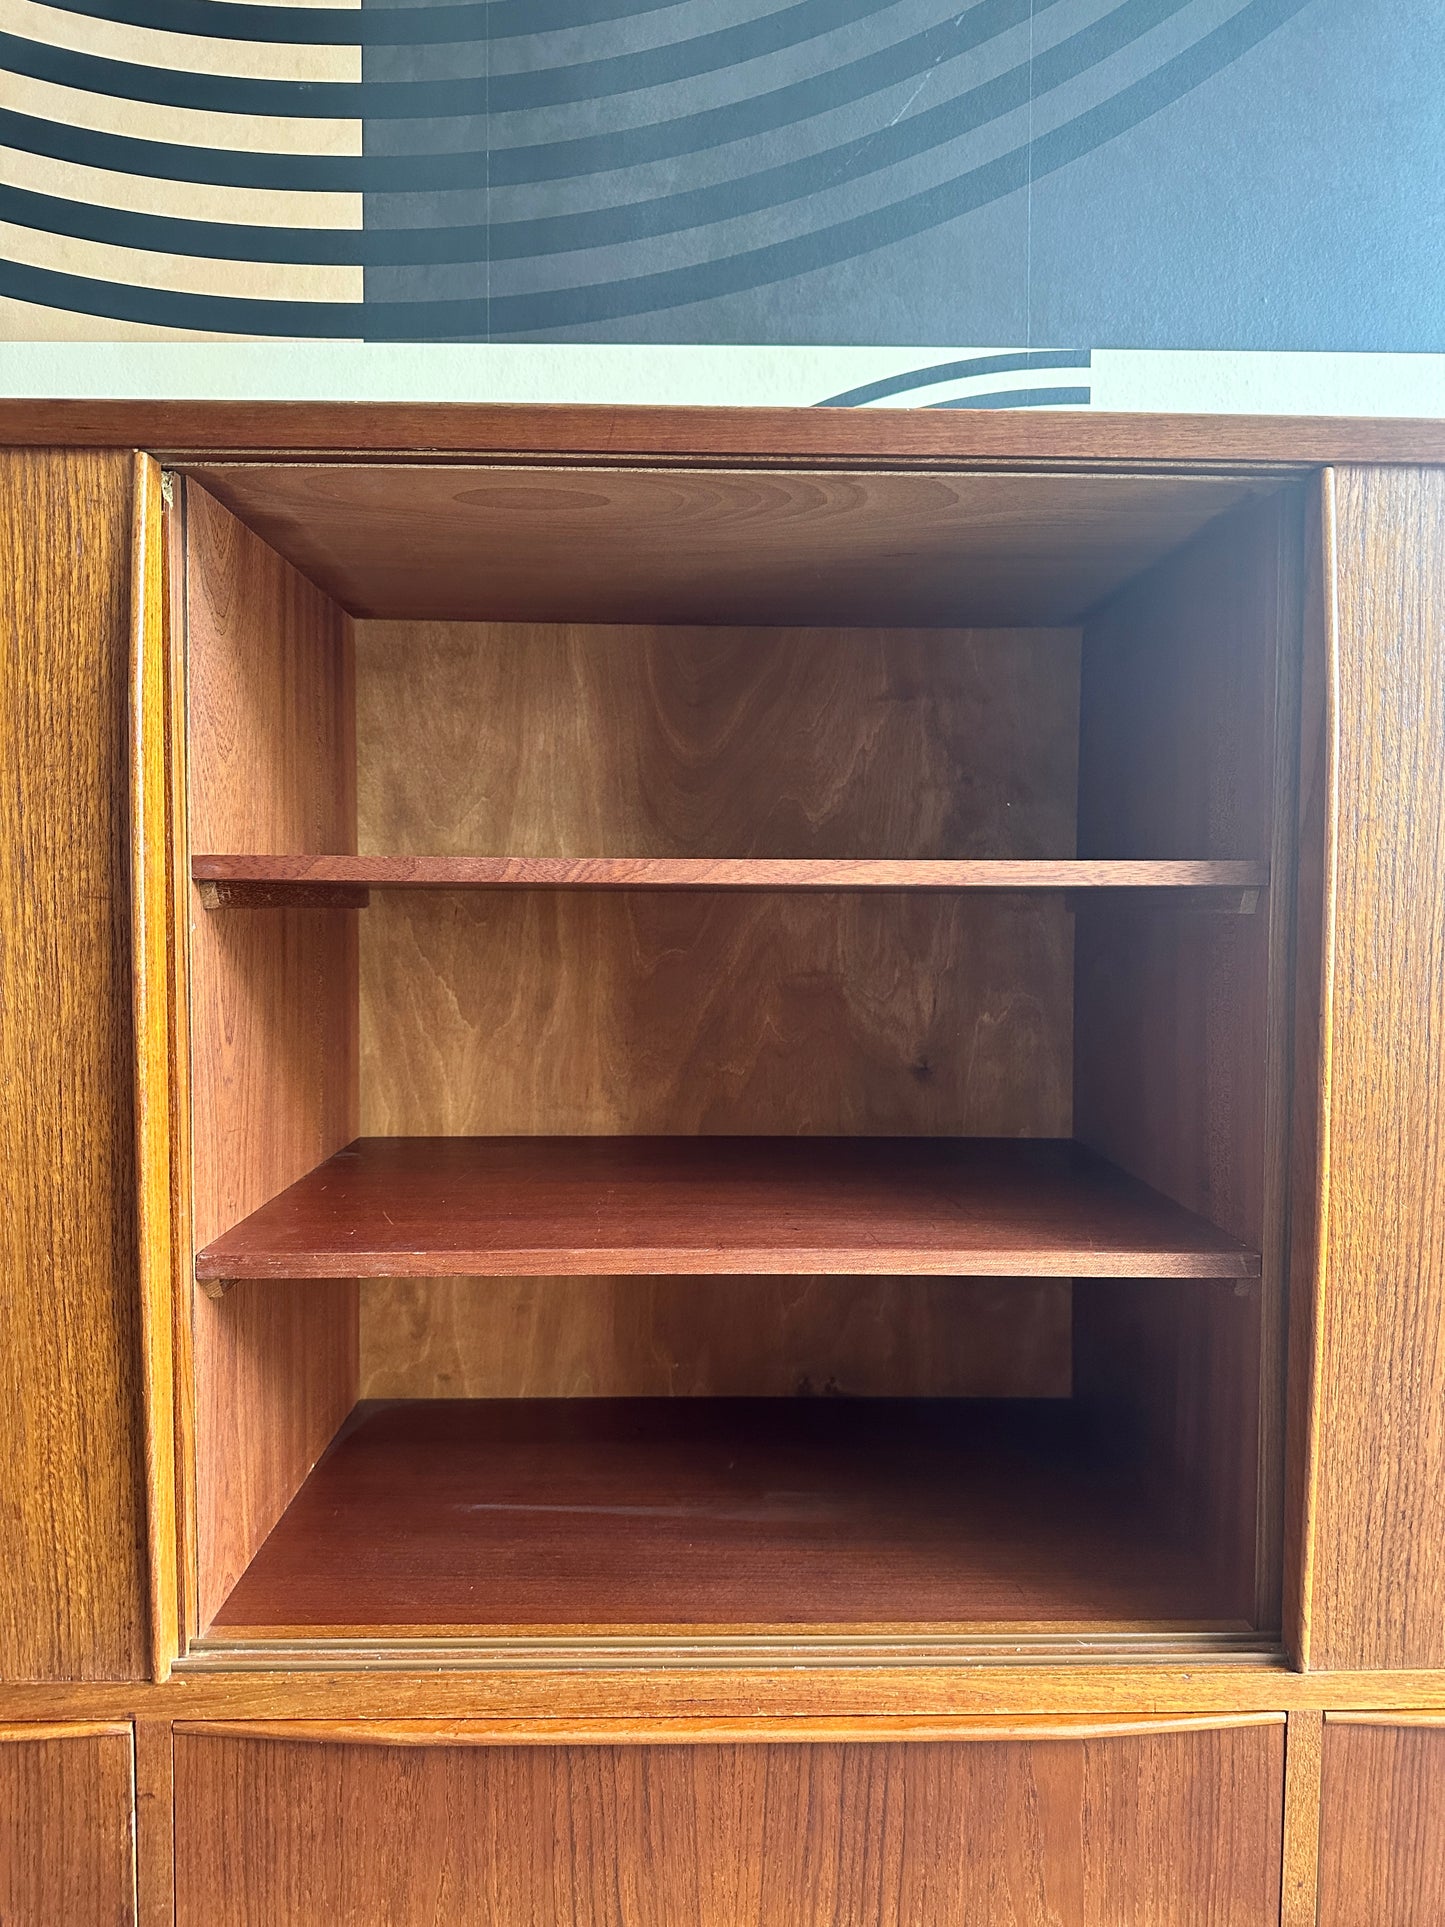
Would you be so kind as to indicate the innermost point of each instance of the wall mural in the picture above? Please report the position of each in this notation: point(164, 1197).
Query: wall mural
point(1059, 180)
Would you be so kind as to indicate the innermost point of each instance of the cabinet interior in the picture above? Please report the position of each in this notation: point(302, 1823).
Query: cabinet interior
point(749, 1242)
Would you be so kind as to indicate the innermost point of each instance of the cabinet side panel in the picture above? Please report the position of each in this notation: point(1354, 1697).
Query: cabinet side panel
point(66, 1808)
point(271, 768)
point(1177, 1827)
point(1382, 1824)
point(1182, 1033)
point(1378, 1570)
point(72, 1579)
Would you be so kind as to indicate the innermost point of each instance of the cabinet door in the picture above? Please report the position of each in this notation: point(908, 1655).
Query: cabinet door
point(66, 1804)
point(1382, 1822)
point(1173, 1826)
point(72, 1527)
point(1375, 1563)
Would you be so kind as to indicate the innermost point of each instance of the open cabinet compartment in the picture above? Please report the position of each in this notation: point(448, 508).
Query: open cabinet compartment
point(736, 1032)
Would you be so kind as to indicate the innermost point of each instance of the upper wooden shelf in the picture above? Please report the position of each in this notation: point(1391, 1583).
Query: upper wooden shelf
point(426, 1207)
point(258, 882)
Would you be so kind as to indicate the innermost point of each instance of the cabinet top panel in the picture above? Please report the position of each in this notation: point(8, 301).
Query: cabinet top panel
point(177, 429)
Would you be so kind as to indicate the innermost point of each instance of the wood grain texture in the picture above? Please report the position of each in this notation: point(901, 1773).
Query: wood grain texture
point(1176, 1827)
point(152, 936)
point(1316, 805)
point(1299, 1889)
point(415, 430)
point(1379, 1547)
point(654, 1012)
point(155, 1802)
point(551, 740)
point(725, 1337)
point(608, 1692)
point(626, 545)
point(262, 882)
point(66, 1858)
point(637, 1013)
point(72, 1524)
point(272, 1018)
point(589, 1514)
point(1382, 1824)
point(1183, 1024)
point(508, 1207)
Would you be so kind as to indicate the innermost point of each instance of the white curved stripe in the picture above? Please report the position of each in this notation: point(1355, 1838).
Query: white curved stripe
point(140, 268)
point(140, 194)
point(181, 125)
point(180, 52)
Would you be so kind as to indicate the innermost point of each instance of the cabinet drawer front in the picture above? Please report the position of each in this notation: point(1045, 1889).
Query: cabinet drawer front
point(66, 1806)
point(1155, 1826)
point(1382, 1821)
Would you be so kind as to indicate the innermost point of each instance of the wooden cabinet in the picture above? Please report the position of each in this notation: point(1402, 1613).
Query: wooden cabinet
point(1159, 1827)
point(66, 1852)
point(1382, 1821)
point(725, 1129)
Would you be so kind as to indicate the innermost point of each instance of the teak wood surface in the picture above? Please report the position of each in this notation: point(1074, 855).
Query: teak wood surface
point(271, 876)
point(501, 1516)
point(580, 1012)
point(610, 546)
point(419, 431)
point(66, 1804)
point(1179, 1826)
point(1376, 1580)
point(73, 1585)
point(503, 1207)
point(1382, 1822)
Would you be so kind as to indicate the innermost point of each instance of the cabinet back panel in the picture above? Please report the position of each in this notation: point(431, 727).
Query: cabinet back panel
point(551, 739)
point(715, 1337)
point(704, 1012)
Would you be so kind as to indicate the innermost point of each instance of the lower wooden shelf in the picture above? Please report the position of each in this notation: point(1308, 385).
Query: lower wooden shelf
point(505, 1207)
point(459, 1517)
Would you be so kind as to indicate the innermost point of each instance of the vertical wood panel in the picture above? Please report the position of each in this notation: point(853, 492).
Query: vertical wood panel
point(1382, 1823)
point(1299, 1887)
point(152, 938)
point(1378, 1569)
point(272, 1018)
point(66, 1856)
point(1182, 1024)
point(1160, 1830)
point(72, 1527)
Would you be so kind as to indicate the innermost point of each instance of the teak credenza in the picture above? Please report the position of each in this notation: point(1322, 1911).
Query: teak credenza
point(723, 1170)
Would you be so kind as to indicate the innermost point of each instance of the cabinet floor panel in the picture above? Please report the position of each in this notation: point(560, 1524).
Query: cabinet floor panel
point(496, 1516)
point(421, 1207)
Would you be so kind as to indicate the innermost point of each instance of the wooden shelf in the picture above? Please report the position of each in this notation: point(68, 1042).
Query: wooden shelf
point(261, 882)
point(505, 1207)
point(508, 1515)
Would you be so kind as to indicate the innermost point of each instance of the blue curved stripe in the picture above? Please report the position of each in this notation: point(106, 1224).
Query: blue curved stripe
point(631, 221)
point(916, 378)
point(471, 96)
point(521, 315)
point(366, 26)
point(594, 155)
point(210, 166)
point(531, 314)
point(1018, 398)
